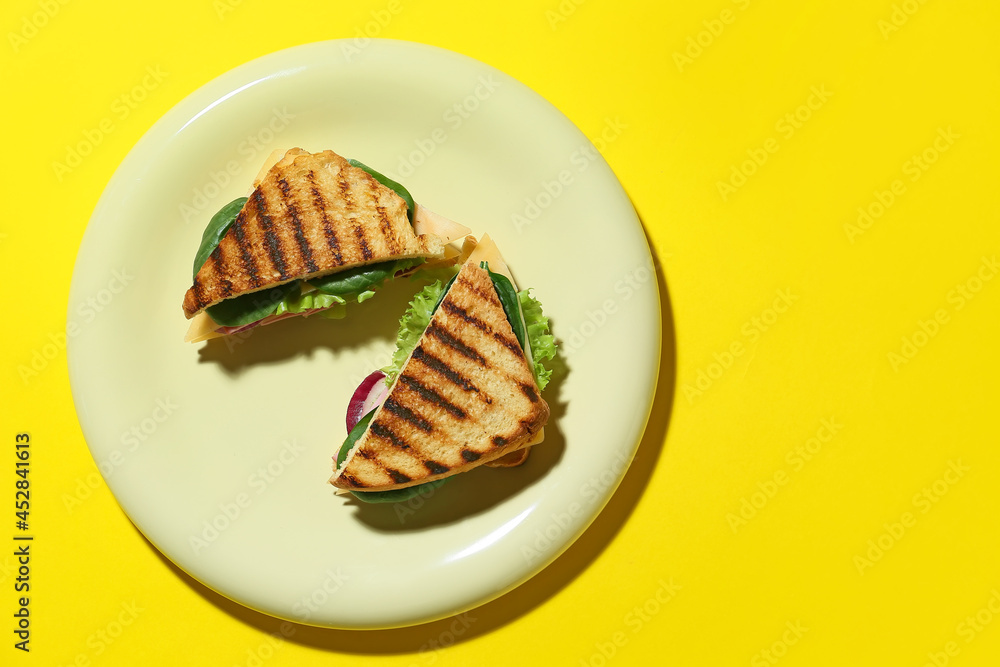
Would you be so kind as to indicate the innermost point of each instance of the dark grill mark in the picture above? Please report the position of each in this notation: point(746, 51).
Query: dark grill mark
point(436, 468)
point(227, 287)
point(198, 298)
point(398, 477)
point(499, 441)
point(366, 454)
point(435, 364)
point(386, 227)
point(530, 392)
point(384, 223)
point(353, 481)
point(359, 234)
point(488, 295)
point(407, 414)
point(432, 396)
point(242, 242)
point(271, 239)
point(345, 193)
point(320, 203)
point(458, 311)
point(385, 433)
point(345, 189)
point(435, 330)
point(470, 455)
point(511, 345)
point(300, 236)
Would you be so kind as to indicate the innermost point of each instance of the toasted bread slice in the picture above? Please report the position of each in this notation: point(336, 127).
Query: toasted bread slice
point(466, 396)
point(311, 214)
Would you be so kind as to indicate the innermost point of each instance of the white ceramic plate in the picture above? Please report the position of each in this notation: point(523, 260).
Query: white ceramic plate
point(220, 452)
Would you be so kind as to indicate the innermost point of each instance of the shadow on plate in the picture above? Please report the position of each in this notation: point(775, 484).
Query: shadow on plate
point(297, 336)
point(524, 598)
point(469, 494)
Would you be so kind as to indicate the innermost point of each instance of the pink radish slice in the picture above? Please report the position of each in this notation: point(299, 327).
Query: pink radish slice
point(369, 395)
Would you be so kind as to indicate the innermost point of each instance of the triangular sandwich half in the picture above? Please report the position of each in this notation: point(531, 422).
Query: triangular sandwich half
point(466, 396)
point(310, 215)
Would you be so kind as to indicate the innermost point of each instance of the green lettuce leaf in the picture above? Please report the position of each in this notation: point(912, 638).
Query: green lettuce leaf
point(411, 327)
point(296, 302)
point(543, 344)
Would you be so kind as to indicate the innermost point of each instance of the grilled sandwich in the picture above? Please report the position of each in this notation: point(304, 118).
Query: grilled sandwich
point(311, 215)
point(466, 396)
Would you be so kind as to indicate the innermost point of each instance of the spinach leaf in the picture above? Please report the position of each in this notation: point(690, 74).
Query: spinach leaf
point(352, 437)
point(241, 310)
point(398, 495)
point(216, 229)
point(361, 278)
point(392, 496)
point(392, 185)
point(510, 302)
point(444, 291)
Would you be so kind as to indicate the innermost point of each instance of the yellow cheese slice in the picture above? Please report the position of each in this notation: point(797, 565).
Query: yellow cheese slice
point(276, 155)
point(486, 251)
point(202, 328)
point(426, 221)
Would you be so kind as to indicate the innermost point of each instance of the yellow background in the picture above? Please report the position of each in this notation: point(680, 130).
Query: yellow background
point(686, 125)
